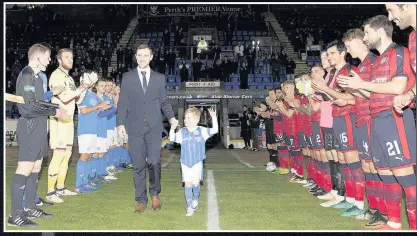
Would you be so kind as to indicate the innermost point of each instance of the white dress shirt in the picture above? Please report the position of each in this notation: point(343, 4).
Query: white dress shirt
point(148, 75)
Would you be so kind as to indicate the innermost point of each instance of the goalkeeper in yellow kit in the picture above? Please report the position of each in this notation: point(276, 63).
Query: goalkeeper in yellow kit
point(62, 131)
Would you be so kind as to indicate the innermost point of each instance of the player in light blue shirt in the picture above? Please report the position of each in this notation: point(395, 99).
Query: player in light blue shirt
point(87, 139)
point(98, 160)
point(193, 151)
point(111, 154)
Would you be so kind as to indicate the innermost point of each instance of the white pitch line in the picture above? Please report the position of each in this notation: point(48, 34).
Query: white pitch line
point(170, 159)
point(237, 157)
point(212, 207)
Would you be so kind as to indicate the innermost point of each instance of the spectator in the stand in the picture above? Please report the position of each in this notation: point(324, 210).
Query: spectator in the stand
point(217, 70)
point(120, 54)
point(167, 38)
point(183, 48)
point(9, 57)
point(196, 66)
point(97, 63)
point(254, 124)
point(75, 74)
point(283, 56)
point(88, 62)
point(267, 64)
point(8, 74)
point(239, 48)
point(16, 68)
point(128, 57)
point(108, 38)
point(290, 68)
point(228, 34)
point(104, 63)
point(91, 42)
point(161, 63)
point(78, 58)
point(251, 61)
point(109, 53)
point(85, 43)
point(215, 52)
point(310, 41)
point(225, 67)
point(10, 88)
point(276, 68)
point(245, 126)
point(170, 60)
point(184, 71)
point(178, 36)
point(243, 73)
point(204, 72)
point(246, 49)
point(234, 66)
point(252, 108)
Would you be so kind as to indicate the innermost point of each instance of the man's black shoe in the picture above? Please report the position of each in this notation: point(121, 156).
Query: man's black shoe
point(20, 220)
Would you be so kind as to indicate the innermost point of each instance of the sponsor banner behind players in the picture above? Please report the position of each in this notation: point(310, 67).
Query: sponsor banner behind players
point(219, 96)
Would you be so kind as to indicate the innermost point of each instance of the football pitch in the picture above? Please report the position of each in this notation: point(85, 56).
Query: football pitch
point(238, 194)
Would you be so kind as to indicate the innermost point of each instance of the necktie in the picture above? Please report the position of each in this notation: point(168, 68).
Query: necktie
point(144, 82)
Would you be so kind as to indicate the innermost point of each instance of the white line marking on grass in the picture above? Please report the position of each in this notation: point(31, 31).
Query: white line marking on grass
point(237, 157)
point(212, 207)
point(170, 159)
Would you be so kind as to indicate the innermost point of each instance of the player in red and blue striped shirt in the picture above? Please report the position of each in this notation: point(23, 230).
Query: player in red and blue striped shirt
point(393, 139)
point(363, 170)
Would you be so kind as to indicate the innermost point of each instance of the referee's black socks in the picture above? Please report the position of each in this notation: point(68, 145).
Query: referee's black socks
point(17, 191)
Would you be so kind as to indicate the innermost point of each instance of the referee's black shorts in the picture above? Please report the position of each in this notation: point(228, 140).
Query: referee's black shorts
point(32, 139)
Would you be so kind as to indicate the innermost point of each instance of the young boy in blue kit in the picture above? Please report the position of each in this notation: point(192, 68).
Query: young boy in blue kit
point(193, 146)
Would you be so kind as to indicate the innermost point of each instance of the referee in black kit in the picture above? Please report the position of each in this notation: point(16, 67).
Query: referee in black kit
point(32, 137)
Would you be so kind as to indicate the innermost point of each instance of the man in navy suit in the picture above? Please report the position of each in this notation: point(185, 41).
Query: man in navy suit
point(142, 98)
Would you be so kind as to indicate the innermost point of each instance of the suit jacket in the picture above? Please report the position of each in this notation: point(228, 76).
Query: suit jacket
point(135, 108)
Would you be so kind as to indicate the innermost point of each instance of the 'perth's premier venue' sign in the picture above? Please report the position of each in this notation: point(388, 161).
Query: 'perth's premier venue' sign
point(198, 10)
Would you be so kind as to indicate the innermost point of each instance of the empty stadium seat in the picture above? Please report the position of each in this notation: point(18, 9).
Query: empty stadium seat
point(266, 79)
point(228, 85)
point(277, 84)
